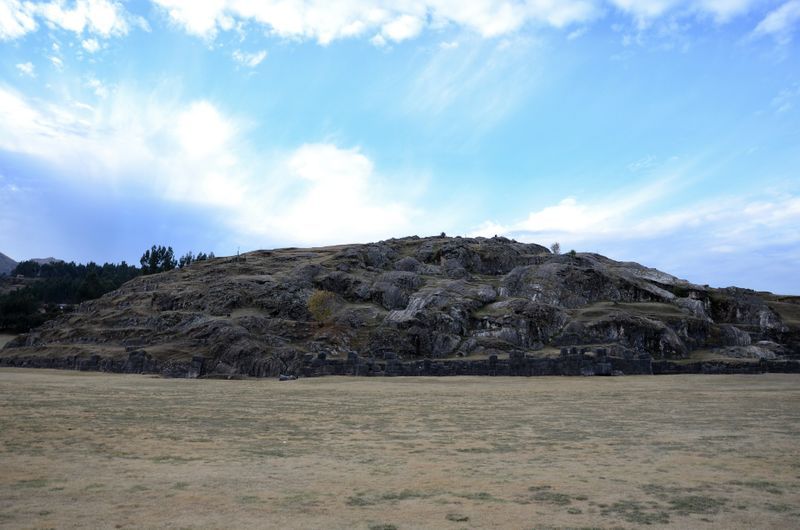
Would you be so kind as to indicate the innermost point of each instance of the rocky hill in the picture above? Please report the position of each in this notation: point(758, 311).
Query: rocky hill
point(6, 264)
point(417, 305)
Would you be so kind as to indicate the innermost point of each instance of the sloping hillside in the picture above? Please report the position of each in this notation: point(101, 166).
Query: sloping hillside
point(6, 264)
point(406, 299)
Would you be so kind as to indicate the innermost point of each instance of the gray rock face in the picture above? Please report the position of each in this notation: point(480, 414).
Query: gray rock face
point(409, 301)
point(733, 336)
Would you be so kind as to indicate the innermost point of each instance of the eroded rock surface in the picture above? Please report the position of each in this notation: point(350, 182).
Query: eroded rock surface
point(408, 300)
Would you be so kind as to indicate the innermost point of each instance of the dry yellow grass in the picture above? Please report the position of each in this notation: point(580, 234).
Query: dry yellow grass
point(99, 450)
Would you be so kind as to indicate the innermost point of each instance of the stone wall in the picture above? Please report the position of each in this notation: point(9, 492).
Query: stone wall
point(137, 362)
point(571, 362)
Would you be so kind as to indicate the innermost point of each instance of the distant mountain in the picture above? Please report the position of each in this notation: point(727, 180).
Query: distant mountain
point(45, 261)
point(6, 264)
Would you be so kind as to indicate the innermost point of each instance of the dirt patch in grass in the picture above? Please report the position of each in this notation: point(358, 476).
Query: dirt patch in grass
point(636, 512)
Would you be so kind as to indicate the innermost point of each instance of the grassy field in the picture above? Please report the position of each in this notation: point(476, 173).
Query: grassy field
point(116, 451)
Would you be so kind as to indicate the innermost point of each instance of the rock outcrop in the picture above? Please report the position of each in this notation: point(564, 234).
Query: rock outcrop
point(416, 305)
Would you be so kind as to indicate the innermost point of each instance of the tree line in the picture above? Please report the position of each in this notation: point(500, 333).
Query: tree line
point(162, 259)
point(51, 288)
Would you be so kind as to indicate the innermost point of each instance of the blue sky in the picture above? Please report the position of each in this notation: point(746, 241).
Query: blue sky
point(660, 131)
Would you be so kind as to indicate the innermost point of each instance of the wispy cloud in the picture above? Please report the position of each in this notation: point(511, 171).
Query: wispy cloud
point(184, 152)
point(385, 22)
point(98, 87)
point(380, 22)
point(99, 18)
point(192, 153)
point(781, 22)
point(786, 99)
point(576, 221)
point(329, 21)
point(16, 19)
point(250, 60)
point(90, 45)
point(634, 222)
point(577, 33)
point(102, 17)
point(480, 82)
point(27, 69)
point(646, 162)
point(645, 12)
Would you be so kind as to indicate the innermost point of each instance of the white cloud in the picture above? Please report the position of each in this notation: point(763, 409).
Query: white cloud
point(576, 34)
point(56, 61)
point(379, 20)
point(201, 18)
point(15, 19)
point(250, 60)
point(327, 194)
point(781, 22)
point(101, 17)
point(646, 162)
point(193, 153)
point(202, 130)
point(14, 109)
point(90, 45)
point(646, 11)
point(27, 69)
point(724, 10)
point(325, 21)
point(448, 45)
point(182, 152)
point(631, 219)
point(579, 220)
point(402, 28)
point(98, 87)
point(328, 21)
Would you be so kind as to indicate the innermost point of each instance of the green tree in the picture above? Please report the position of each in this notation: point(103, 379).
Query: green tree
point(19, 312)
point(187, 259)
point(91, 287)
point(28, 268)
point(158, 259)
point(56, 284)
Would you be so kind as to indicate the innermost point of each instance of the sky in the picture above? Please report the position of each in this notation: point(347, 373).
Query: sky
point(665, 132)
